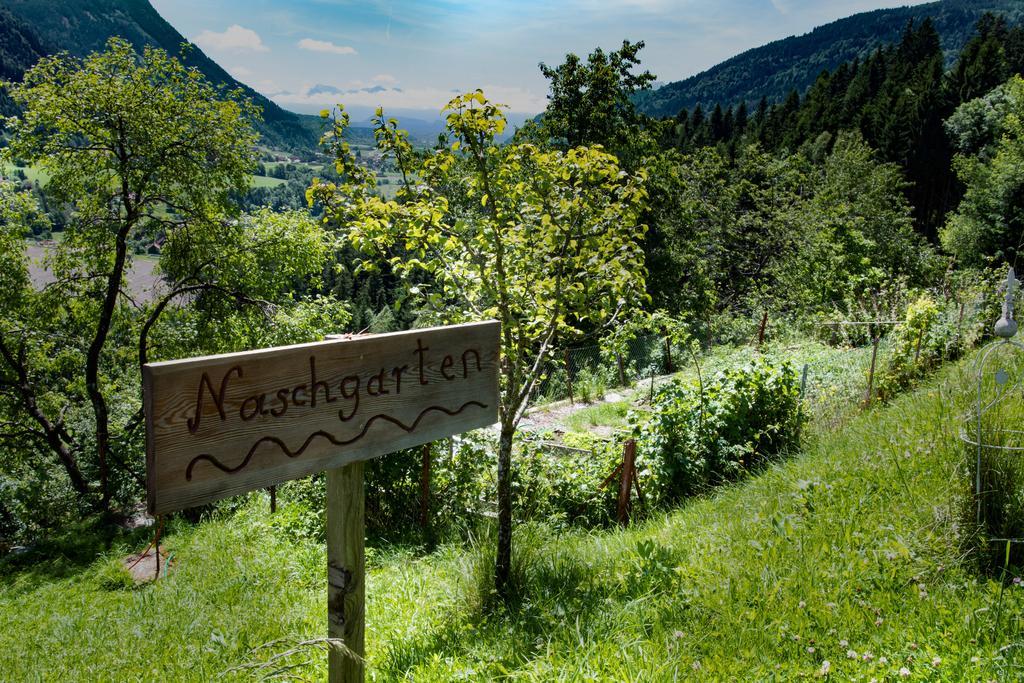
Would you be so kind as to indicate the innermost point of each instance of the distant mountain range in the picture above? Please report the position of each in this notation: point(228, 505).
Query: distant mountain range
point(30, 29)
point(776, 69)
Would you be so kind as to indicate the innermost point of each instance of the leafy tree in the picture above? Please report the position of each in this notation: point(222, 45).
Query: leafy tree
point(546, 242)
point(855, 230)
point(589, 102)
point(140, 148)
point(989, 223)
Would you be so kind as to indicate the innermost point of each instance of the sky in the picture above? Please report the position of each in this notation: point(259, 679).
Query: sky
point(411, 57)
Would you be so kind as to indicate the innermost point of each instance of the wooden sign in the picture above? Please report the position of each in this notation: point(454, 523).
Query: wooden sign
point(222, 425)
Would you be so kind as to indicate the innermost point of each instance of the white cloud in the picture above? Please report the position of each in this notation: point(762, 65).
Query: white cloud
point(239, 71)
point(326, 46)
point(235, 37)
point(386, 79)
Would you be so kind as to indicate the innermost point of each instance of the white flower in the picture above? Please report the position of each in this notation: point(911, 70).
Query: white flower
point(867, 656)
point(802, 604)
point(826, 666)
point(975, 660)
point(936, 661)
point(883, 660)
point(851, 654)
point(810, 650)
point(843, 643)
point(904, 672)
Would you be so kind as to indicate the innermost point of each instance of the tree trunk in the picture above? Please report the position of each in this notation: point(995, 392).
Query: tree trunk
point(92, 364)
point(503, 563)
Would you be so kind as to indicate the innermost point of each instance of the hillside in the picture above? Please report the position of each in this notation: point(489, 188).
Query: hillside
point(31, 28)
point(841, 563)
point(775, 69)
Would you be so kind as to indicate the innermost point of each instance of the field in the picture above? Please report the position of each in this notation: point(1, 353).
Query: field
point(842, 561)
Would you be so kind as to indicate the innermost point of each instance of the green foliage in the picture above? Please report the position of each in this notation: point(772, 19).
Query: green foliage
point(461, 478)
point(700, 435)
point(932, 331)
point(988, 223)
point(798, 233)
point(854, 545)
point(545, 242)
point(590, 103)
point(136, 147)
point(564, 487)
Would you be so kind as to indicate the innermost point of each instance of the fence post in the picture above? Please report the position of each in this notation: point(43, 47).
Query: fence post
point(622, 370)
point(626, 481)
point(568, 377)
point(871, 371)
point(761, 329)
point(273, 499)
point(668, 356)
point(425, 487)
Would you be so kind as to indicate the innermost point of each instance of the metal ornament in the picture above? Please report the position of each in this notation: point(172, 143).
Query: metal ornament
point(1005, 329)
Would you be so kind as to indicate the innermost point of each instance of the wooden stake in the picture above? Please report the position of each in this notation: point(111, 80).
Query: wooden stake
point(622, 370)
point(273, 499)
point(626, 482)
point(346, 572)
point(425, 487)
point(568, 377)
point(871, 371)
point(668, 356)
point(761, 329)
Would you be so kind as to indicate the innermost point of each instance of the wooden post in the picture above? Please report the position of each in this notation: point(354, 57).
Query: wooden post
point(871, 371)
point(273, 499)
point(425, 488)
point(626, 480)
point(568, 377)
point(346, 572)
point(668, 356)
point(761, 329)
point(622, 369)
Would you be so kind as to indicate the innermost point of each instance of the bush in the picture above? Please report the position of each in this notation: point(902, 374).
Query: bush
point(747, 415)
point(458, 481)
point(564, 486)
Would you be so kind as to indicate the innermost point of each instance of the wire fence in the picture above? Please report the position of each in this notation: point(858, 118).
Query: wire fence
point(830, 383)
point(586, 373)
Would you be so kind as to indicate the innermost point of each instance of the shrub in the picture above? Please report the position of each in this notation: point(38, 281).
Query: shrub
point(915, 348)
point(458, 483)
point(745, 416)
point(565, 485)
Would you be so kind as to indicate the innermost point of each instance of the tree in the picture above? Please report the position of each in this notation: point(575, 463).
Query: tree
point(589, 103)
point(989, 223)
point(141, 149)
point(546, 242)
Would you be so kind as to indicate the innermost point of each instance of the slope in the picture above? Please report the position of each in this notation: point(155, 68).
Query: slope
point(793, 63)
point(843, 561)
point(83, 26)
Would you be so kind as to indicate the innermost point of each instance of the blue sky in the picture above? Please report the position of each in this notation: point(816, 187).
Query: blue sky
point(410, 56)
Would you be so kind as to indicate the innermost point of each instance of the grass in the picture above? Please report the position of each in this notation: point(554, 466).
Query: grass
point(603, 414)
point(266, 181)
point(847, 553)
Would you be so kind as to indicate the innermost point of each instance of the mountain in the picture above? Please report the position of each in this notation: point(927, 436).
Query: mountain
point(32, 28)
point(776, 69)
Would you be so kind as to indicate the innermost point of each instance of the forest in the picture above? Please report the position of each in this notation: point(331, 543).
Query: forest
point(671, 280)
